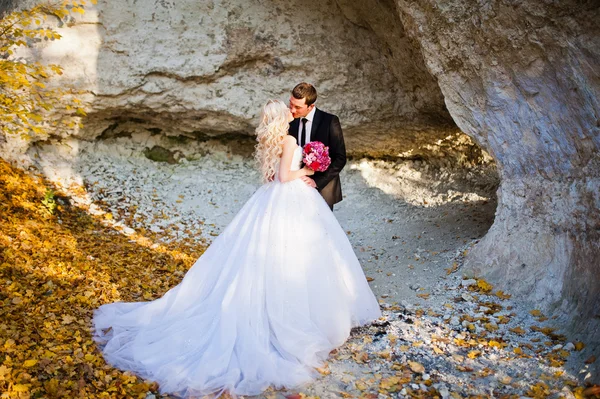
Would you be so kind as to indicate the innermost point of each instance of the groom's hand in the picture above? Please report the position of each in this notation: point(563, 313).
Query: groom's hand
point(309, 181)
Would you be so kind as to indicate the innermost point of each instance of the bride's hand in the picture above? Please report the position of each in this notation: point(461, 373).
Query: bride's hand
point(308, 171)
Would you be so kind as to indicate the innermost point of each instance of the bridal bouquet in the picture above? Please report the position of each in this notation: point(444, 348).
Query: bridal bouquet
point(315, 155)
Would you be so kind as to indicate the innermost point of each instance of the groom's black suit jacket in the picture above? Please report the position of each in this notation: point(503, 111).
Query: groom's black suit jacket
point(326, 128)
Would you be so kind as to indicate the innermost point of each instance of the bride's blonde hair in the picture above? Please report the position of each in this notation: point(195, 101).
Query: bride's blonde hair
point(270, 133)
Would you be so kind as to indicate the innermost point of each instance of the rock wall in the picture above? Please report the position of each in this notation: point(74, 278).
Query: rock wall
point(7, 6)
point(403, 55)
point(205, 68)
point(522, 79)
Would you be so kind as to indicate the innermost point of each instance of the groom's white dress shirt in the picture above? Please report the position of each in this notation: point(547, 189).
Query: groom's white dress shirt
point(309, 122)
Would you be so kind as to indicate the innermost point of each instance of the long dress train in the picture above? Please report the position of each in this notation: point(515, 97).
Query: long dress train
point(265, 304)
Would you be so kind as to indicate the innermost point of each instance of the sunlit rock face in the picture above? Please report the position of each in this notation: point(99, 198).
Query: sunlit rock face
point(201, 68)
point(522, 78)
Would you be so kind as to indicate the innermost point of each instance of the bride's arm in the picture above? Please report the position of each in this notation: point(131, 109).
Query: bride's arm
point(285, 174)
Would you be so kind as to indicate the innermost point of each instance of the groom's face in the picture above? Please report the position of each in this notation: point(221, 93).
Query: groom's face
point(299, 108)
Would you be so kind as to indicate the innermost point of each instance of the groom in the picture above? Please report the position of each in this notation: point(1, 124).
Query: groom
point(312, 124)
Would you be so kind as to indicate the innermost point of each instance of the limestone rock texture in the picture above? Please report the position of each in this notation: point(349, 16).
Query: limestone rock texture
point(198, 68)
point(523, 79)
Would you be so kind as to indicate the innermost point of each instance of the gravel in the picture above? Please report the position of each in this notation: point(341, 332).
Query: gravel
point(410, 224)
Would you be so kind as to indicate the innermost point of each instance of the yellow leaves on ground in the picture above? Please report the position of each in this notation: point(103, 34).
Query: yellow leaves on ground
point(292, 396)
point(68, 319)
point(536, 313)
point(392, 338)
point(361, 357)
point(416, 367)
point(500, 294)
point(475, 349)
point(389, 383)
point(517, 330)
point(465, 369)
point(360, 385)
point(386, 384)
point(324, 370)
point(30, 363)
point(393, 383)
point(518, 351)
point(496, 344)
point(53, 275)
point(4, 371)
point(482, 286)
point(539, 391)
point(452, 268)
point(549, 332)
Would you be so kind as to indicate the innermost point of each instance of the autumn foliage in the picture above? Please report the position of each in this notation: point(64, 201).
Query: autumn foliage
point(26, 100)
point(57, 264)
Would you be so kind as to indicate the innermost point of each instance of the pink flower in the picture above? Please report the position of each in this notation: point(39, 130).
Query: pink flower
point(316, 156)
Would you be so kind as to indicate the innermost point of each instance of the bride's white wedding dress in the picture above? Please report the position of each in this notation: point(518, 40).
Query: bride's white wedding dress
point(268, 300)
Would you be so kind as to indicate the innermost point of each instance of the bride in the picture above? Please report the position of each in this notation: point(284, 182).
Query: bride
point(264, 305)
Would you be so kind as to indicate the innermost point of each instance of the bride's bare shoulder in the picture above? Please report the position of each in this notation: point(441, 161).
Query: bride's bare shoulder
point(289, 141)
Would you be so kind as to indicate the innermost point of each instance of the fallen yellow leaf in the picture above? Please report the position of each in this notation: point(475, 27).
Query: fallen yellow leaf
point(536, 312)
point(500, 294)
point(484, 286)
point(517, 330)
point(416, 367)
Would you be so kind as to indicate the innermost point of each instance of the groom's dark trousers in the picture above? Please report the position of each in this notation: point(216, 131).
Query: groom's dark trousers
point(326, 128)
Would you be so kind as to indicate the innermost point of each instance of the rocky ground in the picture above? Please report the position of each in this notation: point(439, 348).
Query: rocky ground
point(442, 334)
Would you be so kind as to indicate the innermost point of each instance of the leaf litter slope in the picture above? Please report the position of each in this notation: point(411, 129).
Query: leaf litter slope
point(57, 264)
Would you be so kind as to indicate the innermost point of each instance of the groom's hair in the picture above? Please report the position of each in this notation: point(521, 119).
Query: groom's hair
point(306, 91)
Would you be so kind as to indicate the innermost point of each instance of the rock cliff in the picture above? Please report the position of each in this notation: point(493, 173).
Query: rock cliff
point(522, 79)
point(205, 68)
